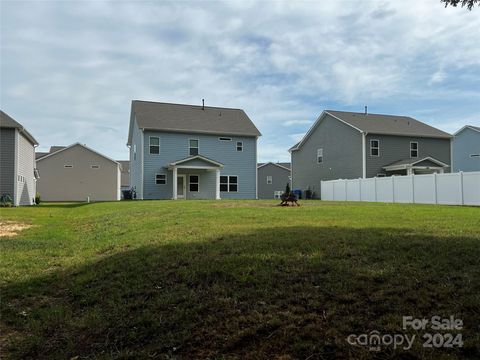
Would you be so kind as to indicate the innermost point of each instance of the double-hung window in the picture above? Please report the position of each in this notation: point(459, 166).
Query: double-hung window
point(239, 145)
point(374, 148)
point(193, 181)
point(154, 145)
point(228, 183)
point(413, 149)
point(160, 179)
point(269, 179)
point(193, 144)
point(319, 156)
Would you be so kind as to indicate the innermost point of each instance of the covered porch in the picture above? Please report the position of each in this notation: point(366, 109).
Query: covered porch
point(427, 165)
point(196, 177)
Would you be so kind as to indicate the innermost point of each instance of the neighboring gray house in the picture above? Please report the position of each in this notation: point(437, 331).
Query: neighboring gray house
point(349, 145)
point(466, 149)
point(75, 173)
point(192, 152)
point(125, 174)
point(272, 179)
point(17, 161)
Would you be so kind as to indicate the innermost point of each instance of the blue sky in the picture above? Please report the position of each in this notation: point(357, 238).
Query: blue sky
point(69, 70)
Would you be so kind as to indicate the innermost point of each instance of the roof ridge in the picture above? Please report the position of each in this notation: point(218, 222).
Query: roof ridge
point(191, 105)
point(362, 113)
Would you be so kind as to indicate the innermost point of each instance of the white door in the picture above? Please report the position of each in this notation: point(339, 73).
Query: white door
point(181, 186)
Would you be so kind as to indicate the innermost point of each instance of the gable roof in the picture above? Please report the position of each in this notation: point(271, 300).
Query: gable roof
point(402, 164)
point(378, 124)
point(475, 128)
point(283, 165)
point(190, 118)
point(7, 122)
point(194, 157)
point(63, 148)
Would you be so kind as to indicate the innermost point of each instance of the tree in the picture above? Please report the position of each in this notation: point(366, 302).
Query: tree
point(468, 3)
point(287, 189)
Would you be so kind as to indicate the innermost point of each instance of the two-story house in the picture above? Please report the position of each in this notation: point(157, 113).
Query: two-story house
point(273, 178)
point(192, 152)
point(349, 145)
point(17, 162)
point(466, 149)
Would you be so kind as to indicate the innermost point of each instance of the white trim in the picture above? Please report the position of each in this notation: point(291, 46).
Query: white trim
point(217, 184)
point(417, 149)
point(269, 177)
point(72, 145)
point(315, 124)
point(364, 155)
point(412, 165)
point(451, 154)
point(463, 128)
point(378, 147)
point(276, 164)
point(174, 183)
point(150, 144)
point(156, 174)
point(241, 146)
point(198, 183)
point(190, 147)
point(176, 163)
point(184, 177)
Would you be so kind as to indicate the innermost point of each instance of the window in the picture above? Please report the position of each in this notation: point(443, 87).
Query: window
point(193, 181)
point(229, 183)
point(374, 148)
point(224, 139)
point(381, 175)
point(413, 149)
point(193, 143)
point(134, 151)
point(68, 166)
point(95, 166)
point(269, 179)
point(475, 155)
point(154, 145)
point(239, 145)
point(319, 156)
point(160, 179)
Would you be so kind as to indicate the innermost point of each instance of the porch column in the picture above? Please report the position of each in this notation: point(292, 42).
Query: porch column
point(217, 184)
point(174, 185)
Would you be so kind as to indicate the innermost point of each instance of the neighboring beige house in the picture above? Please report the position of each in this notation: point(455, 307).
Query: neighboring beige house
point(125, 171)
point(77, 173)
point(17, 161)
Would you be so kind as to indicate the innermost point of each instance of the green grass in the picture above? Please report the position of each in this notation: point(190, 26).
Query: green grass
point(234, 279)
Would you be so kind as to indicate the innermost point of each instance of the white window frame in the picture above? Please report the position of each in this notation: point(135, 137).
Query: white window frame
point(228, 182)
point(156, 179)
point(95, 167)
point(375, 147)
point(269, 179)
point(150, 145)
point(190, 147)
point(413, 142)
point(320, 156)
point(68, 166)
point(237, 146)
point(197, 183)
point(224, 139)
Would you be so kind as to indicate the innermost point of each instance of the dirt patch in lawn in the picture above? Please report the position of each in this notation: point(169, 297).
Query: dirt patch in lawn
point(12, 228)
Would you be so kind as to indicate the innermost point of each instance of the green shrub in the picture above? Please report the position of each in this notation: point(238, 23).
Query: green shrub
point(6, 200)
point(37, 199)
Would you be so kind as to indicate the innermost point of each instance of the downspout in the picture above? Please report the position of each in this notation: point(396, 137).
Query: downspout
point(141, 162)
point(364, 155)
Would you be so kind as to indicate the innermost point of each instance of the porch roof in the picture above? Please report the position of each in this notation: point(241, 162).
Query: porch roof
point(426, 162)
point(195, 162)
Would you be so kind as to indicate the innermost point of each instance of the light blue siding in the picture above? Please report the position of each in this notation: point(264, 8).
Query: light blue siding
point(175, 146)
point(466, 143)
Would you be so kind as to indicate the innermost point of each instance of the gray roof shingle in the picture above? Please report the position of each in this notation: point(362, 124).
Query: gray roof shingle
point(7, 122)
point(389, 124)
point(192, 118)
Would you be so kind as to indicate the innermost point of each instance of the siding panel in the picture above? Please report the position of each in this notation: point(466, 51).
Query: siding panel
point(7, 161)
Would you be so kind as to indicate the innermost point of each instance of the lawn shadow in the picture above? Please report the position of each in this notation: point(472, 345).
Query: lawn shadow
point(64, 205)
point(295, 292)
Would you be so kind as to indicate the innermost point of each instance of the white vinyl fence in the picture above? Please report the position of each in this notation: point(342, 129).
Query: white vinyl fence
point(461, 188)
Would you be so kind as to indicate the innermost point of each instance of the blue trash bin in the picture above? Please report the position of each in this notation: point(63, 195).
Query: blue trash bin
point(298, 193)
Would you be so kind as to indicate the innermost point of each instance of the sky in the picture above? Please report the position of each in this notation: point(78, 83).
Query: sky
point(70, 69)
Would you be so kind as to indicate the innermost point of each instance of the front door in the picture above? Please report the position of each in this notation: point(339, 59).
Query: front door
point(181, 186)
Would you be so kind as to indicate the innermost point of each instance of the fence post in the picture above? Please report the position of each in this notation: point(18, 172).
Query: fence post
point(413, 188)
point(393, 189)
point(461, 188)
point(360, 189)
point(345, 186)
point(375, 187)
point(435, 184)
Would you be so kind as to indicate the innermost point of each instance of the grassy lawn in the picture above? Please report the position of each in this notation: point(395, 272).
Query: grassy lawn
point(235, 279)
